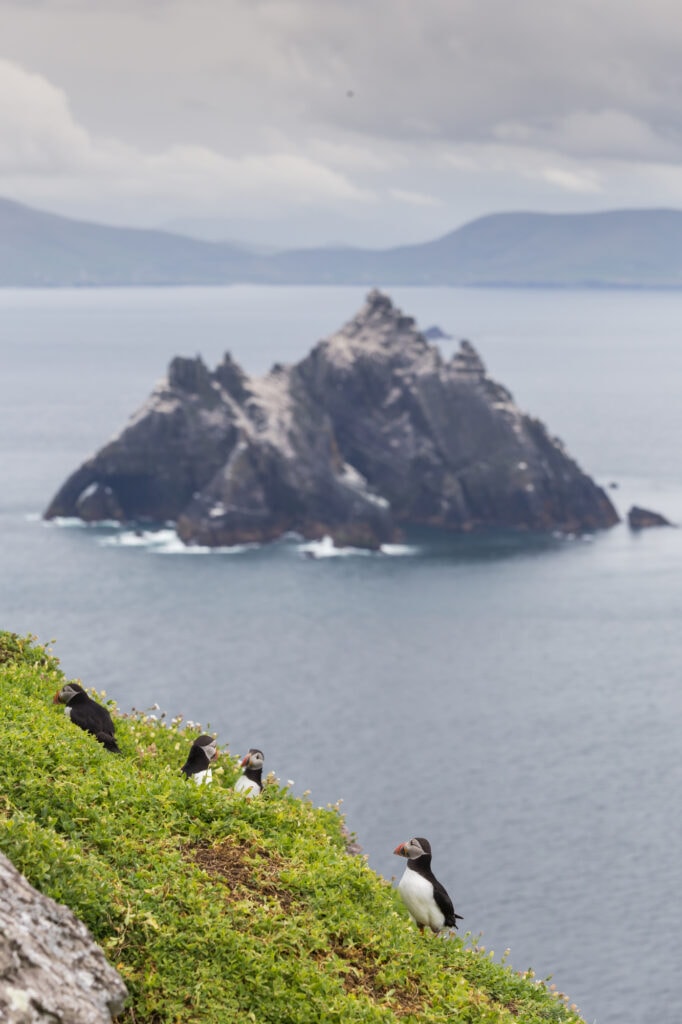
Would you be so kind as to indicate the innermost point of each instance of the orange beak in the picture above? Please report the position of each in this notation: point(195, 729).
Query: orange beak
point(400, 850)
point(55, 699)
point(244, 761)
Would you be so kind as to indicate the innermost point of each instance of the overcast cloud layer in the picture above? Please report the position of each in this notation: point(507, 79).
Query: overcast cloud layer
point(308, 121)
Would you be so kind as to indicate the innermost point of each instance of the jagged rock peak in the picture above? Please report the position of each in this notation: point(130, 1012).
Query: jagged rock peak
point(466, 361)
point(377, 301)
point(379, 315)
point(378, 330)
point(232, 378)
point(189, 375)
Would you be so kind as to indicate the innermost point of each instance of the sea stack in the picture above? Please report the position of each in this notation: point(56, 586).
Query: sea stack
point(374, 431)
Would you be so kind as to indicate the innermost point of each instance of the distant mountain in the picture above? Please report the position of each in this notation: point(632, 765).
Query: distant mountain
point(625, 248)
point(43, 249)
point(217, 229)
point(621, 248)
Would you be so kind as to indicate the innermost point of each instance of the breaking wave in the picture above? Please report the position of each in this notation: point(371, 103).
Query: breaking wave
point(167, 542)
point(325, 548)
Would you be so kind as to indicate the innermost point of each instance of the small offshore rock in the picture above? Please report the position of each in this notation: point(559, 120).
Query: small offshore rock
point(436, 333)
point(643, 518)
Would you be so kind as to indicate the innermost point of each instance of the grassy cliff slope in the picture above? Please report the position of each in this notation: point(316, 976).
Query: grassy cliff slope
point(215, 908)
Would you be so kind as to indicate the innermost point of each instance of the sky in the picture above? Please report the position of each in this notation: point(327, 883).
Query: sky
point(361, 122)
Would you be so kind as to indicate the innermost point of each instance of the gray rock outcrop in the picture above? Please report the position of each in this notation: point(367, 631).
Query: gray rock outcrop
point(644, 518)
point(371, 432)
point(436, 333)
point(50, 966)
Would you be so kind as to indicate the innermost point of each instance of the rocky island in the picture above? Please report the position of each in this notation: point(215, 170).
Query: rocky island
point(372, 432)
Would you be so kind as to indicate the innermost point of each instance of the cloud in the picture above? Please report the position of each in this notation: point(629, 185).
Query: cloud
point(42, 144)
point(614, 134)
point(352, 155)
point(363, 113)
point(274, 177)
point(528, 163)
point(229, 74)
point(413, 198)
point(38, 134)
point(583, 182)
point(604, 134)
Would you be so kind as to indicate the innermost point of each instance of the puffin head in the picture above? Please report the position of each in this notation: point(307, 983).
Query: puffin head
point(254, 759)
point(414, 848)
point(209, 745)
point(64, 695)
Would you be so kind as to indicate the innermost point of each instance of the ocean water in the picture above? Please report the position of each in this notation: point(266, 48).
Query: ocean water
point(516, 701)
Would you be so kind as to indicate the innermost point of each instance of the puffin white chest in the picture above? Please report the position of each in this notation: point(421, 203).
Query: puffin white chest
point(417, 895)
point(246, 786)
point(67, 711)
point(203, 777)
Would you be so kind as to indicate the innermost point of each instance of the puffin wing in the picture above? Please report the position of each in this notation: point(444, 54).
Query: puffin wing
point(84, 715)
point(106, 723)
point(444, 904)
point(197, 761)
point(94, 719)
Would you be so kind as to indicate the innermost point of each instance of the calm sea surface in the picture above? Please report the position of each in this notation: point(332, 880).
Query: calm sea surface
point(519, 703)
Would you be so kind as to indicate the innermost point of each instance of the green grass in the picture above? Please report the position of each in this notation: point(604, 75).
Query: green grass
point(215, 908)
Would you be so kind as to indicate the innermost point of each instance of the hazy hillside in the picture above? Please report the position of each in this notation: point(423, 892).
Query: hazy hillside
point(627, 248)
point(630, 248)
point(42, 249)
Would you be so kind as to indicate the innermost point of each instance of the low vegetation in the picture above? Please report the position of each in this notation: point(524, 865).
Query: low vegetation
point(215, 908)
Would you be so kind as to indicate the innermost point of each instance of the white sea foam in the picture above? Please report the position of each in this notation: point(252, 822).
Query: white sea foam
point(176, 547)
point(325, 549)
point(74, 523)
point(399, 550)
point(167, 542)
point(138, 538)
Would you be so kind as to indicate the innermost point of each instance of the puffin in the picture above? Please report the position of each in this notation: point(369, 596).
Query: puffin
point(425, 898)
point(87, 714)
point(251, 782)
point(198, 763)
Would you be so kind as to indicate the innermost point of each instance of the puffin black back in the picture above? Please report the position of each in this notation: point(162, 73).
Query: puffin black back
point(88, 715)
point(202, 752)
